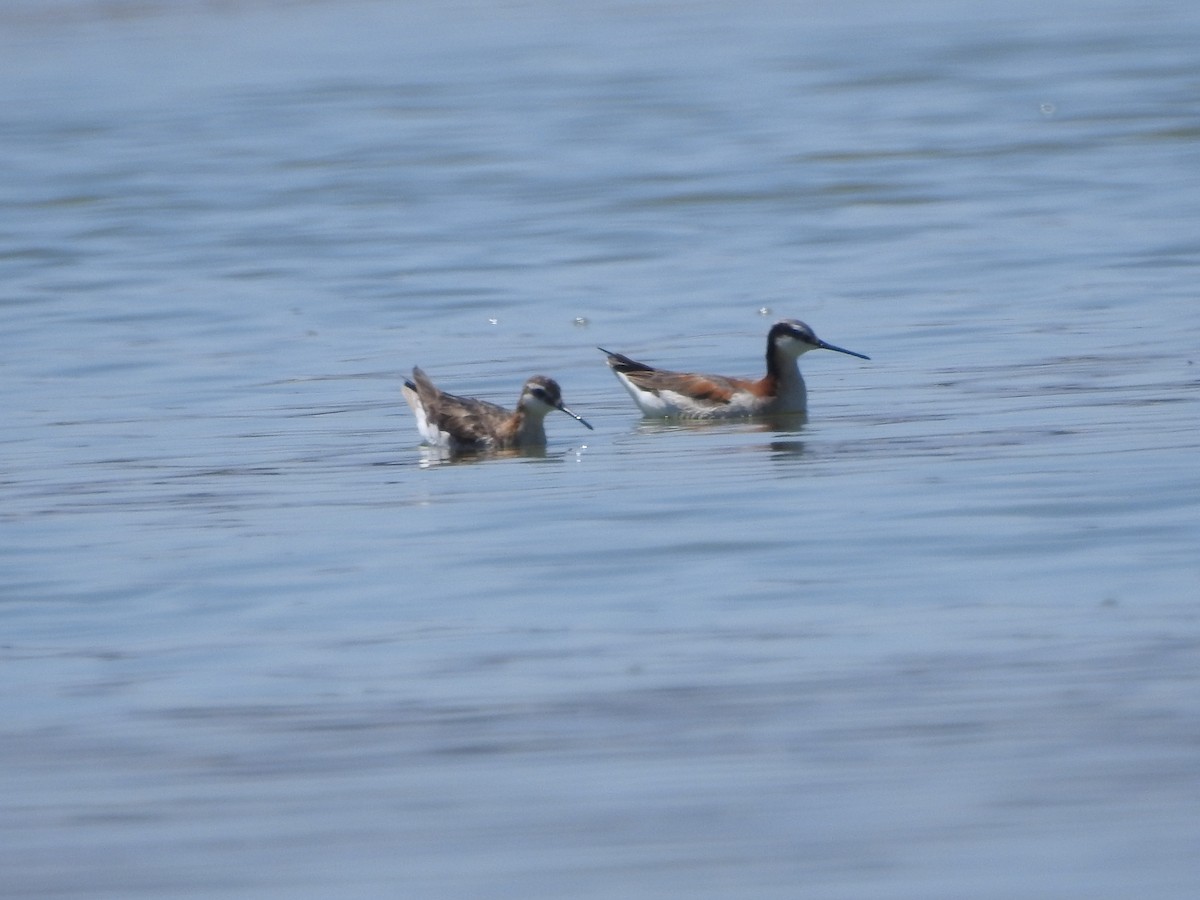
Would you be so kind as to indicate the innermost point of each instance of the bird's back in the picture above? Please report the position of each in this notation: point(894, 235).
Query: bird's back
point(449, 420)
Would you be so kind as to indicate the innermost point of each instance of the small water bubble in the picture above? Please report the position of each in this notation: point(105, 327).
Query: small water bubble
point(1048, 109)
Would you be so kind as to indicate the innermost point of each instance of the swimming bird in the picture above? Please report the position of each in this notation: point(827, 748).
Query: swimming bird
point(464, 423)
point(687, 395)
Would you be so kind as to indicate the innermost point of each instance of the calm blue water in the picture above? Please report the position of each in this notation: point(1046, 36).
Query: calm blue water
point(940, 641)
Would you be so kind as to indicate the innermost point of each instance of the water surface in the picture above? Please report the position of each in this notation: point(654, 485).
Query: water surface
point(939, 640)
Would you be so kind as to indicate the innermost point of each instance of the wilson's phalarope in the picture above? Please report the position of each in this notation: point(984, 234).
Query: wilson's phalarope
point(464, 423)
point(689, 395)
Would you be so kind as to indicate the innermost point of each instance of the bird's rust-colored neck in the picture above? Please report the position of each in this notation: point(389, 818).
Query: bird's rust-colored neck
point(783, 380)
point(520, 429)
